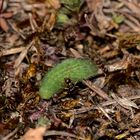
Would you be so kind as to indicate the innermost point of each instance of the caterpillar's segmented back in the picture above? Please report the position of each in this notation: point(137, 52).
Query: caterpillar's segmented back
point(74, 69)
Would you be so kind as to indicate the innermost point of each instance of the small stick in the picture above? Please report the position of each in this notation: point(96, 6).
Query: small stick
point(96, 89)
point(61, 133)
point(22, 55)
point(10, 134)
point(11, 51)
point(104, 104)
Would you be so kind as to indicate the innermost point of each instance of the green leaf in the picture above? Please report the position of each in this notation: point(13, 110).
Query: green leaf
point(118, 18)
point(73, 5)
point(42, 121)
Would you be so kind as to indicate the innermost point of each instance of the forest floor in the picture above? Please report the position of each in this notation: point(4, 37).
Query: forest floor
point(36, 35)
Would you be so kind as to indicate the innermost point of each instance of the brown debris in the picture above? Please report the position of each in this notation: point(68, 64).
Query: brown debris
point(34, 134)
point(106, 106)
point(4, 16)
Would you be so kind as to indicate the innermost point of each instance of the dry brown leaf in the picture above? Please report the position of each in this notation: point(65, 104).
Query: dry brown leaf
point(4, 25)
point(12, 39)
point(136, 118)
point(6, 15)
point(53, 3)
point(92, 4)
point(34, 134)
point(135, 7)
point(51, 21)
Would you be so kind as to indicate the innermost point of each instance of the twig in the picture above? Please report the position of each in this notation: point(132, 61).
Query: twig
point(11, 51)
point(1, 5)
point(104, 112)
point(62, 133)
point(107, 103)
point(23, 54)
point(96, 89)
point(10, 134)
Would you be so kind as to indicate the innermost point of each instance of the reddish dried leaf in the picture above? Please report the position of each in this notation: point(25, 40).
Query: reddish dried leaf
point(2, 127)
point(3, 24)
point(1, 4)
point(6, 15)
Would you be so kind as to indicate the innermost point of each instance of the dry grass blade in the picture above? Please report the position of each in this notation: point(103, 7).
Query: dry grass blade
point(132, 25)
point(104, 104)
point(23, 54)
point(124, 102)
point(96, 89)
point(104, 112)
point(10, 134)
point(75, 53)
point(132, 6)
point(62, 133)
point(11, 51)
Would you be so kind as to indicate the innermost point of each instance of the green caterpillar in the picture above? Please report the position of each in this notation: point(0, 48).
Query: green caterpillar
point(74, 69)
